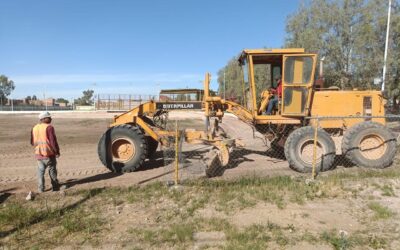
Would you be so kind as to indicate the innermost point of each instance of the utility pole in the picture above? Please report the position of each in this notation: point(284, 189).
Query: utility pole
point(94, 96)
point(386, 47)
point(1, 88)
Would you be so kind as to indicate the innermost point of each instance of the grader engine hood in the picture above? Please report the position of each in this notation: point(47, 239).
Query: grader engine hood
point(351, 103)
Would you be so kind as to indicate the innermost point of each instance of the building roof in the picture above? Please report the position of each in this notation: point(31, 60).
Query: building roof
point(181, 91)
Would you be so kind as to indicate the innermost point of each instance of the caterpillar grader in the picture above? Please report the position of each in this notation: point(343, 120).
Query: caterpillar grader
point(358, 117)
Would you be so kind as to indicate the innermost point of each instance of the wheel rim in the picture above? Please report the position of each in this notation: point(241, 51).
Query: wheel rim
point(123, 150)
point(306, 152)
point(372, 147)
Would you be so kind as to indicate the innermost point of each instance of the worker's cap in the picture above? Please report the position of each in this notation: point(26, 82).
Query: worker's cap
point(44, 114)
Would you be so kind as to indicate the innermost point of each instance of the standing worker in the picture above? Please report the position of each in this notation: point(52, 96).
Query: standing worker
point(43, 138)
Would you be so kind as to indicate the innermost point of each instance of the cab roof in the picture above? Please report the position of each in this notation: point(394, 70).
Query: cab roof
point(273, 51)
point(270, 53)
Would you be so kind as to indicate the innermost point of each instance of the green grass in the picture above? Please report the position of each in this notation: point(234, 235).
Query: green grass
point(387, 190)
point(252, 237)
point(80, 221)
point(84, 215)
point(23, 221)
point(338, 241)
point(174, 235)
point(380, 212)
point(17, 216)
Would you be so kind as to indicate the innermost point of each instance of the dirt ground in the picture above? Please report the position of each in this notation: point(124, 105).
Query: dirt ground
point(350, 207)
point(78, 134)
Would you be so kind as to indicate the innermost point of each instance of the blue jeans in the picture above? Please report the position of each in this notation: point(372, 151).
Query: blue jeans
point(271, 104)
point(51, 163)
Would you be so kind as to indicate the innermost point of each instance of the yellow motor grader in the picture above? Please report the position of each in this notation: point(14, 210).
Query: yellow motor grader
point(356, 116)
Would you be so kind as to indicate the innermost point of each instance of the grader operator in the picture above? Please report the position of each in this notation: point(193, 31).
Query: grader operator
point(356, 116)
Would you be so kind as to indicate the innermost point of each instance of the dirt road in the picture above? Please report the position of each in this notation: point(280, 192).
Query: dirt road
point(78, 134)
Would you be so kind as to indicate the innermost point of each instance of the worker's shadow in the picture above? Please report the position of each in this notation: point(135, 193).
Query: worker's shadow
point(5, 194)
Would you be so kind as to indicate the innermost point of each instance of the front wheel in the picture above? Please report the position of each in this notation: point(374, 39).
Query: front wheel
point(299, 150)
point(122, 148)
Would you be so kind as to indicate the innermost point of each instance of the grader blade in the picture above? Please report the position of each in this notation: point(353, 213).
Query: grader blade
point(216, 160)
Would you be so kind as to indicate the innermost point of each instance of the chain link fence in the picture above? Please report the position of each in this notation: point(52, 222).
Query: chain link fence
point(120, 102)
point(292, 149)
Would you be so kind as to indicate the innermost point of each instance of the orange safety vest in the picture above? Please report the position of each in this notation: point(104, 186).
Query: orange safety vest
point(40, 140)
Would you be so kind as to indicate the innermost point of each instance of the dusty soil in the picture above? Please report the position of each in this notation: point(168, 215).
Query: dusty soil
point(78, 134)
point(314, 217)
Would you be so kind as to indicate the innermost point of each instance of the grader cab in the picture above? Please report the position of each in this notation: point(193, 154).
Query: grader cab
point(355, 117)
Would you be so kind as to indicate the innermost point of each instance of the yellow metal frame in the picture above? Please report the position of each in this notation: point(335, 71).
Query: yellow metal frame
point(307, 85)
point(319, 103)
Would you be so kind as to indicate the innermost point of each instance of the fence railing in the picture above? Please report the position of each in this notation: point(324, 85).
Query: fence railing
point(121, 102)
point(369, 142)
point(33, 108)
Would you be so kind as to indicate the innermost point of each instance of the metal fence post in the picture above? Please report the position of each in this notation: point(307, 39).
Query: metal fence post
point(316, 125)
point(176, 154)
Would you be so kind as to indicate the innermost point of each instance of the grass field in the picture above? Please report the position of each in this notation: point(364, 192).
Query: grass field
point(357, 210)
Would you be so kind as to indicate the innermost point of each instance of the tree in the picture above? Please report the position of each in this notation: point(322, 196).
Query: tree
point(350, 34)
point(34, 98)
point(28, 99)
point(232, 74)
point(86, 99)
point(62, 100)
point(6, 87)
point(233, 77)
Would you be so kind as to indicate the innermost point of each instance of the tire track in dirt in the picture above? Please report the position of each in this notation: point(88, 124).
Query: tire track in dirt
point(79, 160)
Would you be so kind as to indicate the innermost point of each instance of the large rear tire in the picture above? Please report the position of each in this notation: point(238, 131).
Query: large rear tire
point(122, 148)
point(369, 144)
point(299, 148)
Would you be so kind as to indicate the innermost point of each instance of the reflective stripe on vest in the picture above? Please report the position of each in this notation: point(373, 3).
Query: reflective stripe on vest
point(40, 140)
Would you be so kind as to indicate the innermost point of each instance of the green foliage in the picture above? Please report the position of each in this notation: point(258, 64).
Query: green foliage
point(6, 87)
point(86, 99)
point(232, 75)
point(350, 34)
point(62, 100)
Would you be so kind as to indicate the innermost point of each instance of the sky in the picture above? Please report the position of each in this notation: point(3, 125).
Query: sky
point(60, 48)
